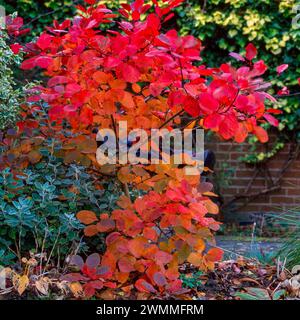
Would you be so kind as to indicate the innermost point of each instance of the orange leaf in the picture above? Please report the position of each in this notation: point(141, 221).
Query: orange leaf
point(101, 77)
point(214, 254)
point(195, 259)
point(86, 216)
point(136, 88)
point(261, 134)
point(137, 246)
point(34, 156)
point(91, 230)
point(124, 202)
point(211, 207)
point(150, 233)
point(127, 100)
point(117, 84)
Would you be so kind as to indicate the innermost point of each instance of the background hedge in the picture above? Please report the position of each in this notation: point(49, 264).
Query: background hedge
point(222, 25)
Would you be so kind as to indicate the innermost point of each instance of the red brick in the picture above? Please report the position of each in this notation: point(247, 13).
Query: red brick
point(293, 192)
point(282, 199)
point(287, 197)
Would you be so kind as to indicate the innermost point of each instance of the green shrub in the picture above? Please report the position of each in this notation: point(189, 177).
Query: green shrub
point(38, 207)
point(10, 96)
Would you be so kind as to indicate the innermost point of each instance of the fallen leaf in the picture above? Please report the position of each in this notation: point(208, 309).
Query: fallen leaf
point(76, 289)
point(20, 283)
point(42, 285)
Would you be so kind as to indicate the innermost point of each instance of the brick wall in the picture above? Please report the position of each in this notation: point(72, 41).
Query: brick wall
point(229, 153)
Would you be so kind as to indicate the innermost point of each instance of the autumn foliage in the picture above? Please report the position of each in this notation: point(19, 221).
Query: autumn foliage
point(104, 67)
point(154, 235)
point(143, 75)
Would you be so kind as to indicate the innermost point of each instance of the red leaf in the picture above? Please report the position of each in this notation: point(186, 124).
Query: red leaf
point(44, 41)
point(228, 127)
point(43, 62)
point(72, 277)
point(28, 64)
point(251, 51)
point(58, 80)
point(214, 254)
point(282, 68)
point(273, 121)
point(112, 62)
point(212, 121)
point(156, 88)
point(96, 284)
point(137, 246)
point(274, 111)
point(15, 48)
point(175, 287)
point(208, 104)
point(129, 73)
point(89, 290)
point(260, 67)
point(135, 15)
point(191, 106)
point(144, 286)
point(112, 237)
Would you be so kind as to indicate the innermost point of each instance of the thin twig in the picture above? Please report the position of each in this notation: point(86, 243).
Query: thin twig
point(51, 252)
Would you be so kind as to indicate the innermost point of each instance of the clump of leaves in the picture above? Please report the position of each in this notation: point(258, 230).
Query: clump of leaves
point(148, 239)
point(38, 206)
point(92, 275)
point(191, 281)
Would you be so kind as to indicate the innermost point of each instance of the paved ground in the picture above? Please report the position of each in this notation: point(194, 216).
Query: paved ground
point(262, 250)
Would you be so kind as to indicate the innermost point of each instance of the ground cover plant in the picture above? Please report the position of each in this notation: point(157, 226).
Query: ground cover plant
point(120, 231)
